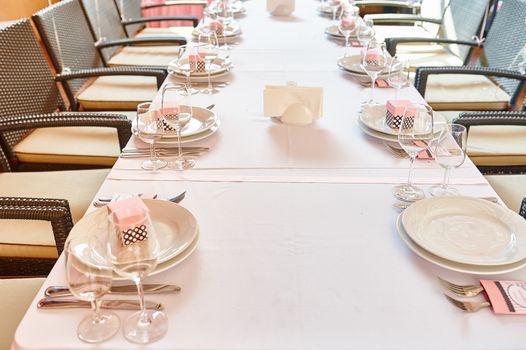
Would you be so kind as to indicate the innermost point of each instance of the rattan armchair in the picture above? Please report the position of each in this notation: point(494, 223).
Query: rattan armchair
point(36, 132)
point(522, 211)
point(130, 12)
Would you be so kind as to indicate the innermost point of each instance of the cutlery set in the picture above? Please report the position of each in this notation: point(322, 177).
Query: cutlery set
point(104, 200)
point(60, 297)
point(465, 291)
point(162, 151)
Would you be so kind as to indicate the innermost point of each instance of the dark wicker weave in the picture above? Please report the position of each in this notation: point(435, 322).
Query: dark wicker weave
point(56, 211)
point(522, 211)
point(469, 119)
point(77, 51)
point(105, 23)
point(131, 16)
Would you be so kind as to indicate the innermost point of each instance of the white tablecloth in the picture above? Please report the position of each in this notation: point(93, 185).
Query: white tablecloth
point(298, 244)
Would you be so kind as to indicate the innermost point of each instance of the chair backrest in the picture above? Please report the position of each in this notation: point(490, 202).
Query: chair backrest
point(27, 83)
point(433, 9)
point(67, 37)
point(506, 41)
point(462, 21)
point(105, 22)
point(130, 9)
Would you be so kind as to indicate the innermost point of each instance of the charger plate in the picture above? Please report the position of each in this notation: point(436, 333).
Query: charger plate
point(467, 230)
point(452, 265)
point(175, 226)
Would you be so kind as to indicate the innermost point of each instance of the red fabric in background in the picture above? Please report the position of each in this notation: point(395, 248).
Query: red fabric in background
point(177, 10)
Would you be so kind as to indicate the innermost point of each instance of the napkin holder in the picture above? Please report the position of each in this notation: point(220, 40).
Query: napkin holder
point(280, 7)
point(294, 105)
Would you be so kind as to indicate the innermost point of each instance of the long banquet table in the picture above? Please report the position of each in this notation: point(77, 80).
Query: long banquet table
point(298, 244)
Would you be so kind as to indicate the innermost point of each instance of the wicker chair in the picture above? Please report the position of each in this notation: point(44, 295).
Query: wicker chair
point(130, 12)
point(469, 87)
point(110, 35)
point(36, 133)
point(74, 55)
point(522, 211)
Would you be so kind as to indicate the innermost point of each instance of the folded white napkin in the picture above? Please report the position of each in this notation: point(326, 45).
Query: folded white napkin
point(297, 105)
point(280, 7)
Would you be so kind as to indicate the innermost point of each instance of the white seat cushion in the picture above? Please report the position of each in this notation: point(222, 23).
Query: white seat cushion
point(464, 92)
point(427, 56)
point(511, 188)
point(166, 32)
point(497, 145)
point(35, 238)
point(144, 55)
point(118, 92)
point(16, 294)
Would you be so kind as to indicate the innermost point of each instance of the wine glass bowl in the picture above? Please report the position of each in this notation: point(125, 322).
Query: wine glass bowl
point(133, 250)
point(149, 130)
point(347, 26)
point(398, 75)
point(187, 63)
point(414, 135)
point(208, 51)
point(449, 152)
point(373, 62)
point(89, 277)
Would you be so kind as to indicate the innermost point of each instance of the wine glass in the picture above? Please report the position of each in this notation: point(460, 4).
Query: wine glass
point(89, 277)
point(414, 135)
point(133, 250)
point(449, 152)
point(149, 130)
point(176, 112)
point(349, 21)
point(208, 51)
point(374, 61)
point(365, 32)
point(398, 75)
point(186, 63)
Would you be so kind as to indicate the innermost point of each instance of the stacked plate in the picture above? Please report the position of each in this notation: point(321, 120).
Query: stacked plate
point(372, 122)
point(334, 32)
point(176, 229)
point(219, 67)
point(352, 66)
point(230, 32)
point(203, 124)
point(465, 234)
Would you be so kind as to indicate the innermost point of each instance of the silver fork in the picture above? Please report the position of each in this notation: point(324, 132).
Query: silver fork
point(468, 306)
point(462, 290)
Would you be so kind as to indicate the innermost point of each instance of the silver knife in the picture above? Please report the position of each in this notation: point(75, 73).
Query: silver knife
point(129, 289)
point(164, 149)
point(56, 303)
point(160, 154)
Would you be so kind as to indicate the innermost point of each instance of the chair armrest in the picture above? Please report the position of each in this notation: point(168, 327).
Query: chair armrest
point(422, 74)
point(56, 211)
point(400, 4)
point(79, 119)
point(203, 3)
point(159, 74)
point(522, 210)
point(400, 18)
point(469, 119)
point(392, 43)
point(175, 41)
point(193, 19)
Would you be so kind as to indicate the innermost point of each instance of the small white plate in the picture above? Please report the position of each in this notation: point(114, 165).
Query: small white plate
point(374, 118)
point(451, 265)
point(202, 120)
point(218, 66)
point(175, 226)
point(377, 134)
point(467, 230)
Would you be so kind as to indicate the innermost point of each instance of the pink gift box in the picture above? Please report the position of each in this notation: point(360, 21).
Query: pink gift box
point(196, 63)
point(395, 112)
point(130, 218)
point(216, 26)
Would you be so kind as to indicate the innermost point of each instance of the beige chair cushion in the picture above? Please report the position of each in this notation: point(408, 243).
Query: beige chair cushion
point(497, 145)
point(427, 56)
point(168, 32)
point(118, 93)
point(464, 92)
point(144, 55)
point(16, 294)
point(35, 238)
point(511, 188)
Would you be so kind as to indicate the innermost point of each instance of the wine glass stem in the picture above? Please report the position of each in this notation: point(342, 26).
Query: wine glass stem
point(188, 85)
point(445, 180)
point(179, 151)
point(209, 79)
point(95, 306)
point(144, 315)
point(153, 154)
point(334, 14)
point(410, 176)
point(397, 90)
point(346, 44)
point(373, 83)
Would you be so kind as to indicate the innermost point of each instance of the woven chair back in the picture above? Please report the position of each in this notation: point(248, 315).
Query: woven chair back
point(27, 83)
point(104, 19)
point(130, 9)
point(67, 37)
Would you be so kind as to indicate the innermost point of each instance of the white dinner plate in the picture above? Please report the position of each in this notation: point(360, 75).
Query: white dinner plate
point(452, 265)
point(467, 230)
point(377, 134)
point(334, 32)
point(230, 31)
point(175, 226)
point(374, 118)
point(203, 135)
point(218, 66)
point(352, 64)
